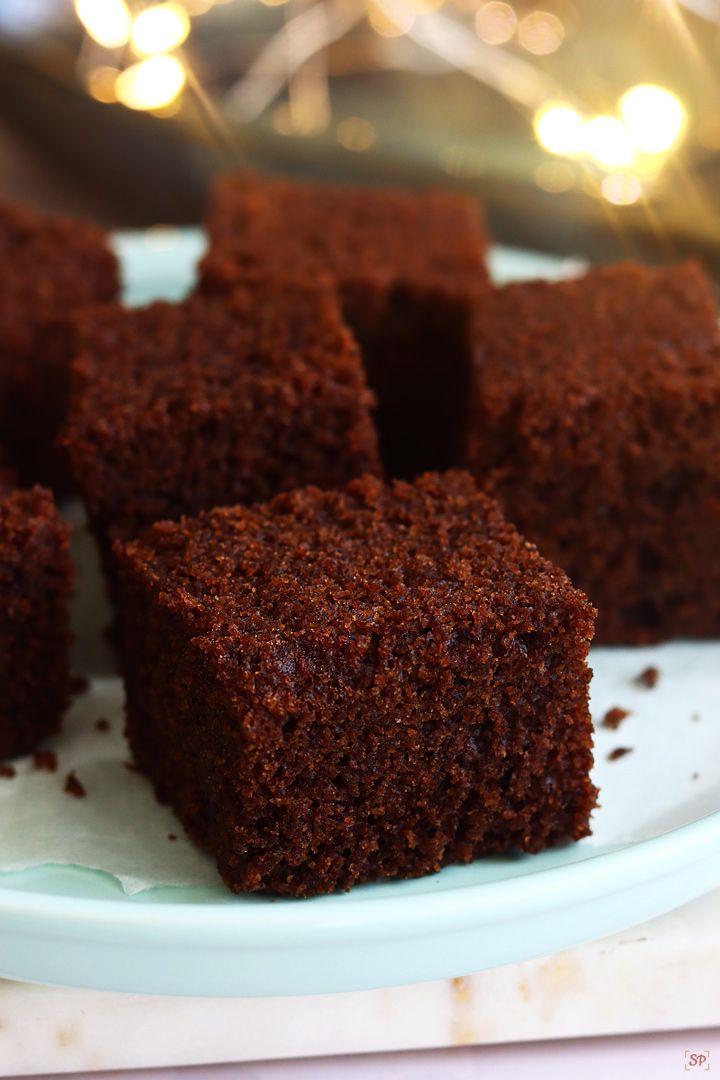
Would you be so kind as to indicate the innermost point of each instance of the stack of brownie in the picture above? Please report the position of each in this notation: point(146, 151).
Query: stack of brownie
point(342, 662)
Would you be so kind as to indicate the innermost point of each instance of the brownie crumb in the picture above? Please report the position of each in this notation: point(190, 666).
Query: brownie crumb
point(696, 776)
point(102, 724)
point(79, 684)
point(74, 787)
point(45, 761)
point(695, 716)
point(618, 752)
point(7, 772)
point(614, 717)
point(172, 836)
point(648, 678)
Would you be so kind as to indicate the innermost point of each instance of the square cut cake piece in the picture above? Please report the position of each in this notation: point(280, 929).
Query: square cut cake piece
point(36, 577)
point(406, 265)
point(177, 408)
point(338, 687)
point(595, 420)
point(50, 267)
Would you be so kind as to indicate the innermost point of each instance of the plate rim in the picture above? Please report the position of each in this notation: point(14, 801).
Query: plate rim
point(475, 904)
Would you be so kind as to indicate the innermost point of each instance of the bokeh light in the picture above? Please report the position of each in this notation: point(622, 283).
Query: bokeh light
point(560, 129)
point(621, 189)
point(354, 133)
point(101, 83)
point(541, 32)
point(495, 22)
point(106, 21)
point(390, 21)
point(607, 142)
point(653, 116)
point(160, 28)
point(151, 84)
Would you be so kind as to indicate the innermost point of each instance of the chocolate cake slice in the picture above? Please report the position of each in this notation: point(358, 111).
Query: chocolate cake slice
point(595, 420)
point(51, 266)
point(406, 265)
point(338, 687)
point(36, 578)
point(178, 408)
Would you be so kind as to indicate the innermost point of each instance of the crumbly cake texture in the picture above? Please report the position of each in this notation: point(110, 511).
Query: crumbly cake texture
point(339, 687)
point(594, 420)
point(36, 578)
point(177, 408)
point(50, 267)
point(406, 266)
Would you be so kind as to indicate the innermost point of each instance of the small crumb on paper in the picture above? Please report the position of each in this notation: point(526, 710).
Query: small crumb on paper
point(618, 752)
point(648, 678)
point(45, 761)
point(614, 717)
point(7, 771)
point(74, 787)
point(102, 724)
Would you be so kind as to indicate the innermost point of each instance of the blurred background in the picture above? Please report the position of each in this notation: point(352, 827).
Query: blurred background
point(586, 126)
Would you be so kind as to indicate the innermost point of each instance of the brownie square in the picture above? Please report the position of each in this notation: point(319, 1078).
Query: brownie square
point(406, 266)
point(50, 267)
point(36, 579)
point(178, 408)
point(337, 687)
point(594, 419)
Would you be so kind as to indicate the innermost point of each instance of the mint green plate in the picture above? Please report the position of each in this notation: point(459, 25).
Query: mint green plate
point(656, 841)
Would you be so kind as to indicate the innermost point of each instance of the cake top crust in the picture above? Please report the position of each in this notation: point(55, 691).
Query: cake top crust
point(51, 264)
point(207, 353)
point(431, 559)
point(623, 327)
point(27, 516)
point(381, 236)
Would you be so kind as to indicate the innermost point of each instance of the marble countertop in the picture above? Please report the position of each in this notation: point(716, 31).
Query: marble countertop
point(659, 977)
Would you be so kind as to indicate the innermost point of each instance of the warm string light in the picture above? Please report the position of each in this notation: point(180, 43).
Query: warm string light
point(629, 147)
point(157, 79)
point(160, 28)
point(108, 22)
point(151, 84)
point(623, 151)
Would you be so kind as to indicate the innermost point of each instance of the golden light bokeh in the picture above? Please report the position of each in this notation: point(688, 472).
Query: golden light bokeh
point(495, 22)
point(354, 133)
point(159, 28)
point(108, 22)
point(541, 32)
point(654, 117)
point(299, 118)
point(101, 83)
point(621, 189)
point(389, 21)
point(560, 129)
point(151, 84)
point(607, 142)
